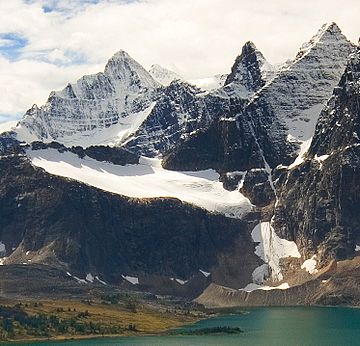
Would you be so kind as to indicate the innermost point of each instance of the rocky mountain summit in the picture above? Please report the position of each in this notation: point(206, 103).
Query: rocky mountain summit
point(249, 73)
point(94, 102)
point(324, 188)
point(158, 184)
point(278, 117)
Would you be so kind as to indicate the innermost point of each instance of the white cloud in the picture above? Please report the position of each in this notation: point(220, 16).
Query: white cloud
point(195, 38)
point(26, 82)
point(5, 42)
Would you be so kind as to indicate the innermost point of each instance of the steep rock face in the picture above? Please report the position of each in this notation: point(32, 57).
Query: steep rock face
point(339, 123)
point(301, 88)
point(319, 200)
point(184, 110)
point(60, 222)
point(219, 147)
point(124, 105)
point(284, 111)
point(94, 102)
point(181, 110)
point(249, 72)
point(117, 156)
point(257, 187)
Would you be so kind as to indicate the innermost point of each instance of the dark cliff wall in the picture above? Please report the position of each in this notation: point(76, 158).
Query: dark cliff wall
point(84, 229)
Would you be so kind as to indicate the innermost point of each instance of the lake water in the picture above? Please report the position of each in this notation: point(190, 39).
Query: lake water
point(262, 326)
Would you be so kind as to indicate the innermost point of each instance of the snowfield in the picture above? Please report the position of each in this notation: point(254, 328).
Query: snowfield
point(144, 180)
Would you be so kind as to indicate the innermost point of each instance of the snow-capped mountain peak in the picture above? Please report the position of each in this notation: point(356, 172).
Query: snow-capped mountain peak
point(163, 75)
point(94, 103)
point(327, 33)
point(122, 65)
point(249, 73)
point(122, 74)
point(301, 87)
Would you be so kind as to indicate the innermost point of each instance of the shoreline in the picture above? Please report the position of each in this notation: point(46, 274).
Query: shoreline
point(93, 336)
point(64, 338)
point(215, 314)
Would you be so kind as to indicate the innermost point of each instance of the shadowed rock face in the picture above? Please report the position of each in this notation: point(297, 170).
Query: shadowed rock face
point(319, 207)
point(83, 229)
point(117, 156)
point(257, 188)
point(220, 147)
point(319, 204)
point(179, 111)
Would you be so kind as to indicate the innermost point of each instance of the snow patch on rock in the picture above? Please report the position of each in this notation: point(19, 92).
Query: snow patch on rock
point(304, 147)
point(206, 274)
point(321, 159)
point(101, 281)
point(132, 279)
point(89, 277)
point(253, 287)
point(310, 265)
point(209, 83)
point(181, 282)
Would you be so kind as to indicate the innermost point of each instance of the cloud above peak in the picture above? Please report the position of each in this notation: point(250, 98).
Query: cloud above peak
point(46, 43)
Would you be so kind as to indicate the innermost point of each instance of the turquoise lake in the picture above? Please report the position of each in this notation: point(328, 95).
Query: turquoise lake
point(263, 326)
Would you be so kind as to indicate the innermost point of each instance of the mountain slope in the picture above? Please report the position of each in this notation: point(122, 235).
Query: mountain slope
point(94, 103)
point(163, 75)
point(81, 229)
point(125, 105)
point(181, 110)
point(249, 73)
point(280, 115)
point(237, 211)
point(324, 190)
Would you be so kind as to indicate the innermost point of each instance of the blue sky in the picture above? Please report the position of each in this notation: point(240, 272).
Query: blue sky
point(55, 5)
point(44, 44)
point(61, 5)
point(11, 45)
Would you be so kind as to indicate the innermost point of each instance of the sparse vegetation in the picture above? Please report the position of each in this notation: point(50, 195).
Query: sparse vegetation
point(111, 315)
